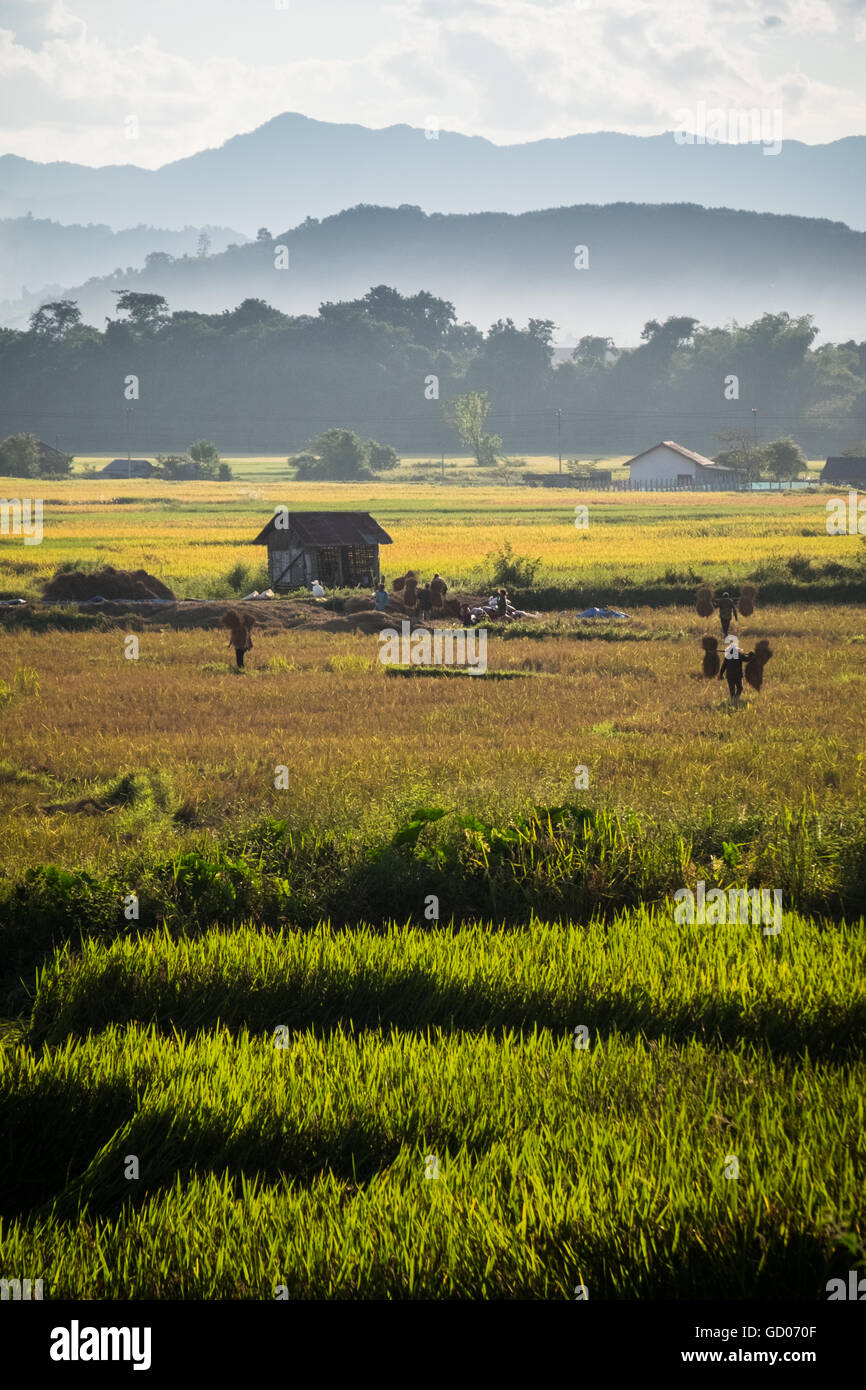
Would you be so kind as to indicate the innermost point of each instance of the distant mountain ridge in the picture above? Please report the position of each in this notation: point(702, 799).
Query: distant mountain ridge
point(293, 167)
point(639, 262)
point(36, 253)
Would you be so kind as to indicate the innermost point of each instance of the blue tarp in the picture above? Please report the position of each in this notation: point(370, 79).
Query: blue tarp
point(602, 613)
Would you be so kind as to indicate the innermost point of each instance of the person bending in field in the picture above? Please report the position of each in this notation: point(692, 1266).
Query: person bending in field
point(239, 625)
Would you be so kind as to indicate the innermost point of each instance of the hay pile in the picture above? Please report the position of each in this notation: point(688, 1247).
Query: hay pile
point(75, 586)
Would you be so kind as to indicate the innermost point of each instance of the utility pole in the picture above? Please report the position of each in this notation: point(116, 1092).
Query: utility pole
point(755, 424)
point(559, 436)
point(128, 440)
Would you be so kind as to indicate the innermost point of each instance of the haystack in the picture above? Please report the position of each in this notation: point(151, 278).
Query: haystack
point(78, 586)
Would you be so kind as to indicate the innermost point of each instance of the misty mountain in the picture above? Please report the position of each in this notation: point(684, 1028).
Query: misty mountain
point(38, 256)
point(293, 167)
point(642, 262)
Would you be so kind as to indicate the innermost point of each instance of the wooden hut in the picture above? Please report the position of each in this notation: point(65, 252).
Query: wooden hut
point(340, 549)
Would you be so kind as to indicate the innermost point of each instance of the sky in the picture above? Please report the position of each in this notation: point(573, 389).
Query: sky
point(114, 82)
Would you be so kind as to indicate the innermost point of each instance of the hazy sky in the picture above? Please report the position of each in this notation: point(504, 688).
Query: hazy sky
point(194, 72)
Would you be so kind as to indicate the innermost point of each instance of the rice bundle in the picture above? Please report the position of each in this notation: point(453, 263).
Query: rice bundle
point(239, 625)
point(711, 656)
point(756, 663)
point(704, 603)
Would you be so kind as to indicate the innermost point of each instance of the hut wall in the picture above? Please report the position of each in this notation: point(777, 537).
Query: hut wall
point(290, 559)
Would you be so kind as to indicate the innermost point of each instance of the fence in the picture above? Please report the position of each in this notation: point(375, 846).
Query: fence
point(673, 485)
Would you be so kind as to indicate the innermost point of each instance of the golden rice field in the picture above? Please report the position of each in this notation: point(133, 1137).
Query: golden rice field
point(192, 534)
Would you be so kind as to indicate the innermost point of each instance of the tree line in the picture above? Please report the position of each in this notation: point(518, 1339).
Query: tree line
point(402, 370)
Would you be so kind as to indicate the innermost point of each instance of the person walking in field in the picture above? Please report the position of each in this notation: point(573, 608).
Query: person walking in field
point(732, 669)
point(239, 625)
point(735, 663)
point(707, 603)
point(727, 609)
point(380, 597)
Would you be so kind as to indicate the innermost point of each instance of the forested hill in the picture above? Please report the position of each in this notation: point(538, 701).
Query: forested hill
point(590, 269)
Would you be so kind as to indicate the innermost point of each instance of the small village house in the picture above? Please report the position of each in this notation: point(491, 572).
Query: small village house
point(670, 465)
point(340, 549)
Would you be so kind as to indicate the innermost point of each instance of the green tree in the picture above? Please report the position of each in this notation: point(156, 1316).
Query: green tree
point(428, 320)
point(381, 457)
point(19, 456)
point(784, 458)
point(673, 333)
point(591, 351)
point(466, 414)
point(175, 466)
point(146, 312)
point(337, 454)
point(55, 320)
point(205, 453)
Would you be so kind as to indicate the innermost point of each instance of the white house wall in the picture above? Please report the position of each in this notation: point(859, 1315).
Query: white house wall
point(661, 465)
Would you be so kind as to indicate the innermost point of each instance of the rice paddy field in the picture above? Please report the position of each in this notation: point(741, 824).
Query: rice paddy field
point(194, 535)
point(325, 982)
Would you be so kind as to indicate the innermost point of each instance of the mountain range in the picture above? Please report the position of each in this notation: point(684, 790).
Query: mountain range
point(293, 167)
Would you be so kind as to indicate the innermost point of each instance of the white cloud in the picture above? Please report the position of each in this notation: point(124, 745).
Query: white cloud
point(507, 69)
